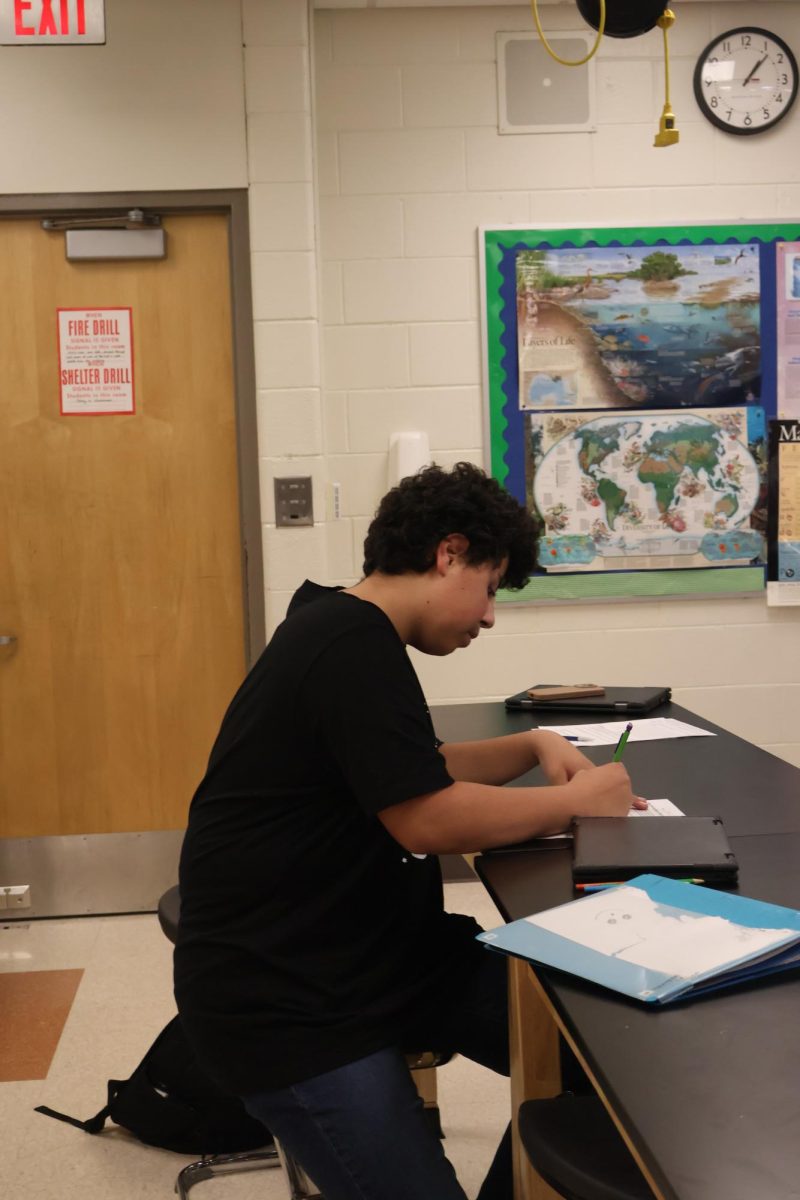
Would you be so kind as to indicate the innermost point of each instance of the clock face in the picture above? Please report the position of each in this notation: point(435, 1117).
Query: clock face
point(746, 80)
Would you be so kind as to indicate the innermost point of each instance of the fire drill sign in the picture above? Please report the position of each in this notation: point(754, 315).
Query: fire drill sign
point(95, 361)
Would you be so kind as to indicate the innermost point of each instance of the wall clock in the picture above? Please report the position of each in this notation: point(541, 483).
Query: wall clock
point(746, 80)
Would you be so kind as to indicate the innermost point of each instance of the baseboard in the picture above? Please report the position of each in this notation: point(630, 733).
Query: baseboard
point(90, 874)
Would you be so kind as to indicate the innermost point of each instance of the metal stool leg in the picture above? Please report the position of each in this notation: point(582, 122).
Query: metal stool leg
point(224, 1164)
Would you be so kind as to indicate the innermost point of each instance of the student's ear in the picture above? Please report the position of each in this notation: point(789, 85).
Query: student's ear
point(449, 549)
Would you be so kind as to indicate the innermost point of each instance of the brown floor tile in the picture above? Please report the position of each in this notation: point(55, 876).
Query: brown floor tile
point(34, 1006)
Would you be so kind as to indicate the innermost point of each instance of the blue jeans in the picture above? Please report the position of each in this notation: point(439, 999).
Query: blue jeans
point(359, 1131)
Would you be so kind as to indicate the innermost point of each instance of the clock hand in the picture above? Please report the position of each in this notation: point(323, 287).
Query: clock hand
point(755, 68)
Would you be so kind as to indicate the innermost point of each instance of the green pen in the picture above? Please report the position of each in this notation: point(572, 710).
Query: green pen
point(621, 743)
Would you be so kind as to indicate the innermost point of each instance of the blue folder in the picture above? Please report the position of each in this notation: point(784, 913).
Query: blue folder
point(657, 939)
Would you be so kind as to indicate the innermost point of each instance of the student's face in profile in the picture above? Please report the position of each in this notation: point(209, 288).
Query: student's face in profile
point(464, 605)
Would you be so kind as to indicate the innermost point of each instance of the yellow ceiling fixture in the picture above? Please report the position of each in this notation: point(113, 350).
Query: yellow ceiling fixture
point(623, 19)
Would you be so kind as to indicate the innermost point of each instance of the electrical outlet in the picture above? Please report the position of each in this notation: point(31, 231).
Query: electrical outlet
point(18, 897)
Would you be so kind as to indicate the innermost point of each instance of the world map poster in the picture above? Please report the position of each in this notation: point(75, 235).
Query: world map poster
point(630, 375)
point(648, 489)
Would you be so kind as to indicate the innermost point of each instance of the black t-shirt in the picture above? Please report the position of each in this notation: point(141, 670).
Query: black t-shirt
point(308, 936)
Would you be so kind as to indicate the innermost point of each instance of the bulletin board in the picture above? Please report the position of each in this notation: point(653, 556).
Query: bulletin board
point(630, 375)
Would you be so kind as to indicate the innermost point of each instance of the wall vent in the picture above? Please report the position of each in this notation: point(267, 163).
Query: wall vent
point(538, 95)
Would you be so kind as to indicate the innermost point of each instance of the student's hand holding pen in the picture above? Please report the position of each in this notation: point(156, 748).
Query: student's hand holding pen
point(604, 792)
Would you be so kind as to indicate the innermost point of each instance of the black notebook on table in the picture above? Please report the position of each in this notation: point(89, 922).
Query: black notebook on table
point(614, 700)
point(607, 849)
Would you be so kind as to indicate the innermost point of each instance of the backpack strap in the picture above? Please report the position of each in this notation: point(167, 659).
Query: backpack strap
point(95, 1123)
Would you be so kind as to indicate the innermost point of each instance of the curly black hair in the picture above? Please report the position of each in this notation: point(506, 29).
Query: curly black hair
point(413, 518)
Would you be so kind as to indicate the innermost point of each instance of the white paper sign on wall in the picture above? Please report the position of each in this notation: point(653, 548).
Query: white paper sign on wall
point(95, 361)
point(52, 22)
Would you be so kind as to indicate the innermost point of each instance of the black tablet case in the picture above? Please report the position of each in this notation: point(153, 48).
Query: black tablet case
point(615, 700)
point(617, 848)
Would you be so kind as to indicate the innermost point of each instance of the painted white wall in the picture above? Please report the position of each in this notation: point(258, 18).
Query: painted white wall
point(286, 268)
point(409, 164)
point(161, 105)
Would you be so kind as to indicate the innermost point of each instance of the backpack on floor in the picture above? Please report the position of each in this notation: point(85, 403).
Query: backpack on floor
point(170, 1102)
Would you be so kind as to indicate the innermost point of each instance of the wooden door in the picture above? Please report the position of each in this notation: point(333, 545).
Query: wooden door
point(120, 546)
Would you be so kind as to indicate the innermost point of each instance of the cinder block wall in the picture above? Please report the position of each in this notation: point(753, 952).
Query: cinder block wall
point(408, 163)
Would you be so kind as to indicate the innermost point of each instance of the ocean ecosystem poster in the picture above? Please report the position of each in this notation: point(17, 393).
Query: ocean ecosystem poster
point(630, 374)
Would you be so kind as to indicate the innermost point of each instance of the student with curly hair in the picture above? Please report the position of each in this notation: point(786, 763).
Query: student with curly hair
point(314, 947)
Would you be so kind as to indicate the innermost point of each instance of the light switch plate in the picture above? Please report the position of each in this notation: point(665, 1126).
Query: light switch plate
point(294, 503)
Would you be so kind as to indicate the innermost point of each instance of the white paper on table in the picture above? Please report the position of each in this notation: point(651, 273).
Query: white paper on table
point(628, 924)
point(658, 808)
point(648, 729)
point(655, 808)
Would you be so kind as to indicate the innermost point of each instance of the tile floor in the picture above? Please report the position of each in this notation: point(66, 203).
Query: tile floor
point(123, 999)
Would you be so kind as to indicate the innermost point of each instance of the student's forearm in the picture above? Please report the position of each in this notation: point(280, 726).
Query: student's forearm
point(493, 760)
point(472, 816)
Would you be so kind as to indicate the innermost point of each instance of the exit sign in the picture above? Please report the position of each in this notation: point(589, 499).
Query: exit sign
point(52, 22)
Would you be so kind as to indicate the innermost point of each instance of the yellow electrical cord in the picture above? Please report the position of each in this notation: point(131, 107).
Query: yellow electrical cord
point(665, 20)
point(667, 134)
point(565, 62)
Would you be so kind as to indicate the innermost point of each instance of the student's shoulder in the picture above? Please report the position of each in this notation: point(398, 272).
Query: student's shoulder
point(307, 593)
point(331, 613)
point(335, 636)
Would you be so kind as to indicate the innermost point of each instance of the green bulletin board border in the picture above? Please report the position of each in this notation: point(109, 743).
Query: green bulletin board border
point(651, 585)
point(720, 581)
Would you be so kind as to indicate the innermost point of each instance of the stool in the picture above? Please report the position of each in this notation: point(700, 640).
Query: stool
point(300, 1186)
point(574, 1145)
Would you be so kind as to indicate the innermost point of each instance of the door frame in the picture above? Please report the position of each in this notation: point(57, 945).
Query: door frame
point(88, 874)
point(232, 203)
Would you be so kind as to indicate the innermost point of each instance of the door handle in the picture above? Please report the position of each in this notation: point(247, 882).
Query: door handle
point(7, 638)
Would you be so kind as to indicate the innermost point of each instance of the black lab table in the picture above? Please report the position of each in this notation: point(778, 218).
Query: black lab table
point(706, 1093)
